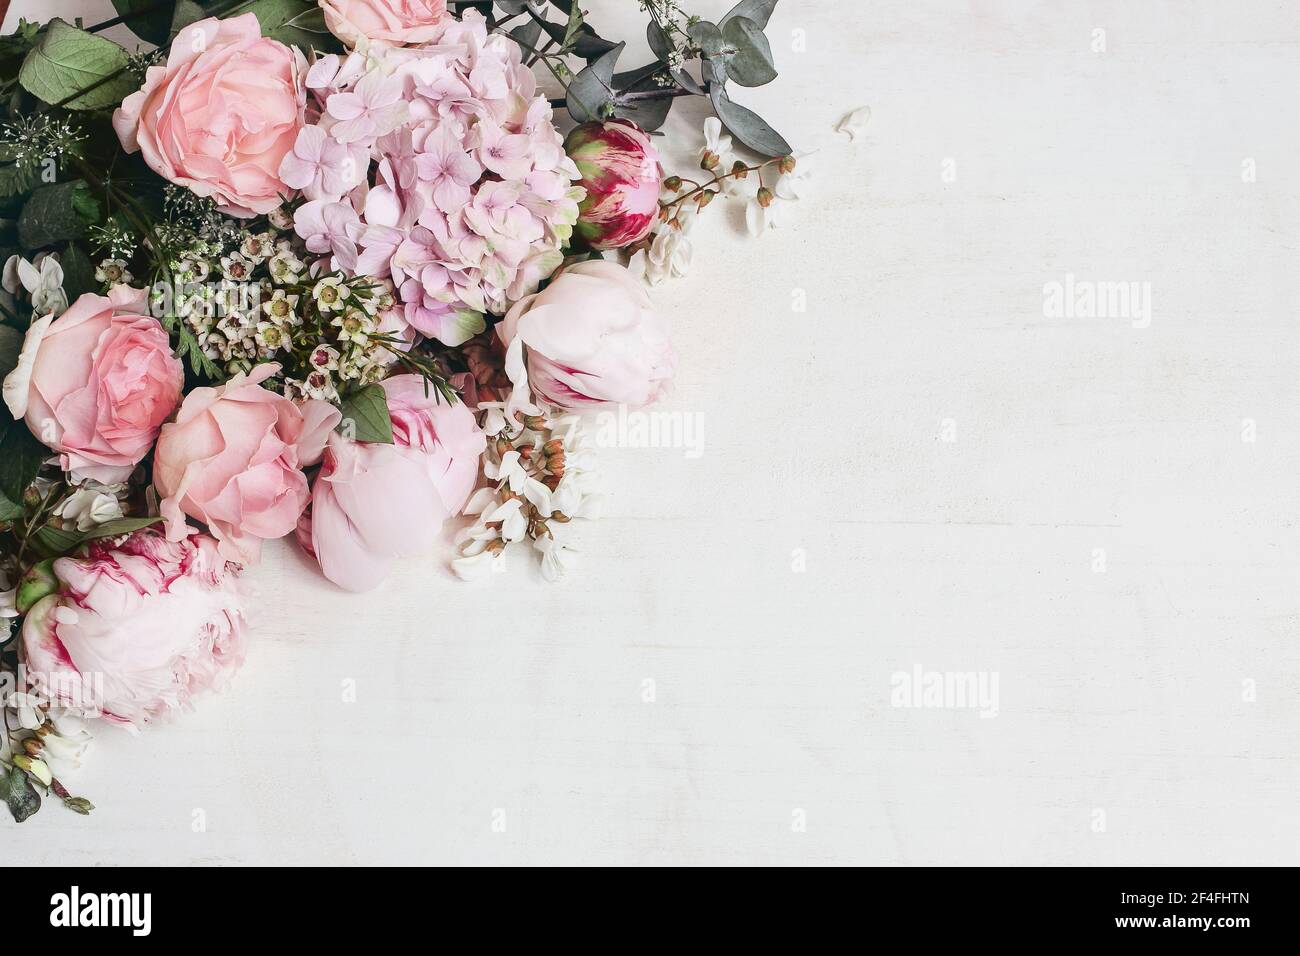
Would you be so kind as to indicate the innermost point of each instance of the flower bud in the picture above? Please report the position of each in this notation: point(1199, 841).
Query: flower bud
point(765, 197)
point(739, 170)
point(552, 447)
point(710, 160)
point(36, 768)
point(621, 174)
point(35, 584)
point(705, 198)
point(32, 746)
point(673, 184)
point(79, 805)
point(786, 165)
point(31, 497)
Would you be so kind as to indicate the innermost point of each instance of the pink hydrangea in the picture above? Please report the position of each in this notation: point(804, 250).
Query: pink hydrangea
point(439, 167)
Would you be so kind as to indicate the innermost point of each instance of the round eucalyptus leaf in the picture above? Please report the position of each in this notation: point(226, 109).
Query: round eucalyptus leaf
point(749, 57)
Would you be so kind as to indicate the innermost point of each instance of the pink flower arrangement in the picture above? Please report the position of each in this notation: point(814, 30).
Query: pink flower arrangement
point(454, 182)
point(382, 288)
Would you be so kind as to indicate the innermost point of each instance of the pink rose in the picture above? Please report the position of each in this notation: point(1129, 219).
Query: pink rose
point(135, 630)
point(221, 115)
point(372, 503)
point(621, 173)
point(396, 22)
point(590, 338)
point(233, 460)
point(96, 383)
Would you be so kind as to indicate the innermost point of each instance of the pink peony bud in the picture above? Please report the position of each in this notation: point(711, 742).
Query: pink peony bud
point(621, 173)
point(136, 629)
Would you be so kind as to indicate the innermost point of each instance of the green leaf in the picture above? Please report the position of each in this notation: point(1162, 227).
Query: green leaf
point(186, 12)
point(153, 24)
point(68, 61)
point(281, 19)
point(61, 541)
point(79, 805)
point(21, 456)
point(8, 510)
point(57, 542)
point(760, 11)
point(707, 37)
point(19, 794)
point(591, 93)
point(749, 61)
point(111, 529)
point(53, 213)
point(365, 416)
point(747, 126)
point(78, 272)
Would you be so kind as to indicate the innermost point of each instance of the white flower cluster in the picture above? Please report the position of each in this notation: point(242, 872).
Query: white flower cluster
point(544, 479)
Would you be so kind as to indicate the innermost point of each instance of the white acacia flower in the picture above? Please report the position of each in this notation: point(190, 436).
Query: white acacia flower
point(556, 558)
point(29, 711)
point(716, 141)
point(474, 566)
point(669, 256)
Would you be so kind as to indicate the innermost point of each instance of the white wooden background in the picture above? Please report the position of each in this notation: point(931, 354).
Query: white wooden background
point(1123, 733)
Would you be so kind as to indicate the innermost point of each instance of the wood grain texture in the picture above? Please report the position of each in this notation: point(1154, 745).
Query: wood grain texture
point(1120, 691)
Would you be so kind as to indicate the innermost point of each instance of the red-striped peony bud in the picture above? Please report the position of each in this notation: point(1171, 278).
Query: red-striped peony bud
point(621, 173)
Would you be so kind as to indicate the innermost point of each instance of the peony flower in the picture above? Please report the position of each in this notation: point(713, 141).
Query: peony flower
point(96, 383)
point(233, 460)
point(387, 21)
point(621, 174)
point(136, 629)
point(221, 115)
point(372, 503)
point(590, 338)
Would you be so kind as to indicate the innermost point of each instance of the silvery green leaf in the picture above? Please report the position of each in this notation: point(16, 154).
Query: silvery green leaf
point(23, 801)
point(527, 35)
point(749, 56)
point(660, 45)
point(748, 127)
point(313, 21)
point(592, 92)
point(760, 11)
point(511, 7)
point(707, 37)
point(648, 113)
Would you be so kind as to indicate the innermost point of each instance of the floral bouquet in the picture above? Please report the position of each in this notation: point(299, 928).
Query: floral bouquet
point(324, 271)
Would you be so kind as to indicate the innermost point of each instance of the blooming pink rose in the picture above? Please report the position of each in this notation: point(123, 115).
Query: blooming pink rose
point(96, 383)
point(136, 629)
point(621, 173)
point(372, 503)
point(221, 115)
point(395, 22)
point(590, 338)
point(233, 460)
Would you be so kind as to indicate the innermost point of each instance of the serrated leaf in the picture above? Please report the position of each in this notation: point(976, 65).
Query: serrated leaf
point(748, 127)
point(366, 417)
point(68, 61)
point(21, 798)
point(52, 214)
point(760, 11)
point(150, 20)
point(591, 92)
point(749, 56)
